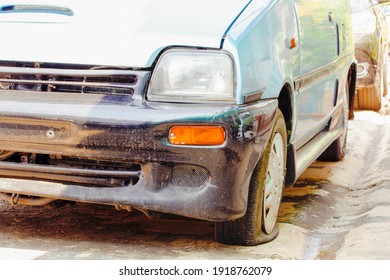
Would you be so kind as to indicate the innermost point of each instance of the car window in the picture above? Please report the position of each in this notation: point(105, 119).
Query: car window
point(359, 5)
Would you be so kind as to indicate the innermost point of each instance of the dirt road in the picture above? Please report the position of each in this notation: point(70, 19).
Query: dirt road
point(335, 211)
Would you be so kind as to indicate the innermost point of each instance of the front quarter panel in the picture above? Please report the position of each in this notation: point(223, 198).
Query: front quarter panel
point(261, 39)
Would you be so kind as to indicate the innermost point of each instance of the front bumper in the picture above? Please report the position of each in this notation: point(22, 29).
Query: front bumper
point(208, 183)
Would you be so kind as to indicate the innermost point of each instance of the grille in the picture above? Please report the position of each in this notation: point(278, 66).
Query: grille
point(70, 79)
point(189, 176)
point(71, 170)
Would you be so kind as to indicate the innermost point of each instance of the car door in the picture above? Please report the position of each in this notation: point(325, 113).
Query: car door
point(320, 47)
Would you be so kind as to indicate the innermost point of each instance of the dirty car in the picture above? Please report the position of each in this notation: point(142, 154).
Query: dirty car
point(203, 109)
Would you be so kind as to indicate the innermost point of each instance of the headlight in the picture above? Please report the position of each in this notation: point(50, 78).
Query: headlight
point(193, 76)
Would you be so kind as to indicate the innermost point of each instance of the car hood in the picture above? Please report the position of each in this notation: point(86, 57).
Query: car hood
point(115, 32)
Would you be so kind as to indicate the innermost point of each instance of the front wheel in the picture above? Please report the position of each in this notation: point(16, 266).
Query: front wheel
point(258, 225)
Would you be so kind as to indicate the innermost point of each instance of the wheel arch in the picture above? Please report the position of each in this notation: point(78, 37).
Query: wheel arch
point(285, 104)
point(352, 77)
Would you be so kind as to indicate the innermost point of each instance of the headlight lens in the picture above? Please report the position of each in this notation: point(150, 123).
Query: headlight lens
point(193, 76)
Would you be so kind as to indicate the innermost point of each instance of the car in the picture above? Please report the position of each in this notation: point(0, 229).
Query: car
point(385, 7)
point(201, 109)
point(371, 43)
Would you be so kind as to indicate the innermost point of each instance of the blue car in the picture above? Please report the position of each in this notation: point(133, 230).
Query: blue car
point(203, 109)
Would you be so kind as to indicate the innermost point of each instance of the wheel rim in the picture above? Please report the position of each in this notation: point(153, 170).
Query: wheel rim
point(273, 183)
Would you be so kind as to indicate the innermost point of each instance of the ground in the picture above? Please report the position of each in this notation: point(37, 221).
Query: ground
point(335, 211)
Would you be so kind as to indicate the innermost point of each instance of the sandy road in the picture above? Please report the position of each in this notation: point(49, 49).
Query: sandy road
point(335, 211)
point(345, 205)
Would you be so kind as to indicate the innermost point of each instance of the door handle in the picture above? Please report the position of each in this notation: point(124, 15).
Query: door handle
point(330, 17)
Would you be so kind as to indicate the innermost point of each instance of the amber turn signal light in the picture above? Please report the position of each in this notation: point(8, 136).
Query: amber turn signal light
point(201, 135)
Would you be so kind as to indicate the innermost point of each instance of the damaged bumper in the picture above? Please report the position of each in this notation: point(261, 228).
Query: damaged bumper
point(121, 156)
